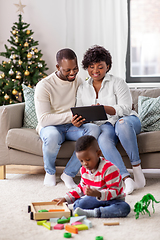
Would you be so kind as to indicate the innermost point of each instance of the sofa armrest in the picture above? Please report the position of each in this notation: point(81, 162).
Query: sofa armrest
point(11, 116)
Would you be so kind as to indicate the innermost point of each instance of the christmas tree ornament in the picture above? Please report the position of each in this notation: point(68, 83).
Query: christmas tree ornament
point(26, 44)
point(6, 97)
point(40, 65)
point(20, 7)
point(29, 86)
point(2, 75)
point(16, 40)
point(28, 32)
point(18, 75)
point(19, 62)
point(14, 92)
point(29, 55)
point(14, 56)
point(26, 73)
point(13, 80)
point(4, 62)
point(36, 50)
point(32, 52)
point(14, 32)
point(11, 57)
point(11, 72)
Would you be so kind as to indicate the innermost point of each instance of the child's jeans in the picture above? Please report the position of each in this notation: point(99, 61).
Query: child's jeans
point(104, 209)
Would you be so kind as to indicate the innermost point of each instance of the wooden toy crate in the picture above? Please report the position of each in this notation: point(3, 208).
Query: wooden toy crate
point(58, 210)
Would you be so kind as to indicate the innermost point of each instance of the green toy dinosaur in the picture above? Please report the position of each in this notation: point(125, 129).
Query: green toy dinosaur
point(142, 205)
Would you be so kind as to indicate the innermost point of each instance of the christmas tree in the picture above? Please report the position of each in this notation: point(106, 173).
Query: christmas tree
point(25, 64)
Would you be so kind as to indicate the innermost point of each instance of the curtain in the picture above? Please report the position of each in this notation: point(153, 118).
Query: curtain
point(98, 22)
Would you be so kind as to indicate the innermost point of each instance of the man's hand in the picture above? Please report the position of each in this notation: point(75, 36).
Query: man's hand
point(77, 121)
point(59, 200)
point(92, 192)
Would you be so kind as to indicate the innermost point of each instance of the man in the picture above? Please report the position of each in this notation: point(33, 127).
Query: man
point(54, 96)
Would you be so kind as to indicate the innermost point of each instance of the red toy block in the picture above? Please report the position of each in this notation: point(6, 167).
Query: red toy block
point(59, 226)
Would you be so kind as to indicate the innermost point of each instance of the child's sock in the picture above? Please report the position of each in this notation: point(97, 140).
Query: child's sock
point(129, 185)
point(50, 180)
point(139, 177)
point(68, 181)
point(86, 212)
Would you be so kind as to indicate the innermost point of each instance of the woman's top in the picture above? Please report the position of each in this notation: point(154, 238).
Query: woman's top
point(114, 92)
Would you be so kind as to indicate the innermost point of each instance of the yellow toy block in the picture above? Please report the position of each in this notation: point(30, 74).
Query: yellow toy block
point(81, 227)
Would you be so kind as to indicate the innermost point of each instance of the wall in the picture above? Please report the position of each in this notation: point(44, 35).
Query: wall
point(54, 21)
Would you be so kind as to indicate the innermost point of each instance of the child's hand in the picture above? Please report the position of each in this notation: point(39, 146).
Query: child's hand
point(59, 200)
point(92, 192)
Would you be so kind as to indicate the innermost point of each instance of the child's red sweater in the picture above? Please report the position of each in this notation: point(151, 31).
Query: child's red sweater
point(106, 179)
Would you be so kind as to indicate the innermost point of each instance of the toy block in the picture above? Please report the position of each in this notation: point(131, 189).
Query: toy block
point(111, 223)
point(76, 219)
point(41, 222)
point(47, 225)
point(81, 227)
point(63, 220)
point(43, 210)
point(87, 222)
point(99, 238)
point(54, 220)
point(55, 210)
point(59, 226)
point(76, 223)
point(71, 229)
point(67, 235)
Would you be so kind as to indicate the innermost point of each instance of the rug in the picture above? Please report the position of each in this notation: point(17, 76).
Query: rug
point(20, 190)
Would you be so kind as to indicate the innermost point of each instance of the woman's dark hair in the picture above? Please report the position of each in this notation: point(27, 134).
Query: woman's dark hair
point(96, 54)
point(66, 53)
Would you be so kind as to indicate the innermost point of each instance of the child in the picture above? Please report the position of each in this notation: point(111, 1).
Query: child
point(100, 192)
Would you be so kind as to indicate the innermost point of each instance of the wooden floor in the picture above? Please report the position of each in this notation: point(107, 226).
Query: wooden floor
point(24, 169)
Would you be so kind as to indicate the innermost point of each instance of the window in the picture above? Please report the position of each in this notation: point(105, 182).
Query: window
point(143, 54)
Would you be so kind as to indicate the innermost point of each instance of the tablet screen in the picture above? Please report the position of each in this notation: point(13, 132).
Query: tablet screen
point(90, 113)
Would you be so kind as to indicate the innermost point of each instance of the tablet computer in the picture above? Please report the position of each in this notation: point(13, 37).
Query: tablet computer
point(90, 113)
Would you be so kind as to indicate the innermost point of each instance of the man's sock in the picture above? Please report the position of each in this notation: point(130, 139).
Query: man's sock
point(129, 185)
point(68, 181)
point(86, 212)
point(139, 177)
point(50, 180)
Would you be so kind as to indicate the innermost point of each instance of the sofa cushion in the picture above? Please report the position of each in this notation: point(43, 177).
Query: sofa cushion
point(30, 117)
point(148, 142)
point(27, 140)
point(149, 113)
point(153, 93)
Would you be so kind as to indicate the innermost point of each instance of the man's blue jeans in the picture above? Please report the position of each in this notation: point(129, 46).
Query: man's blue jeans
point(104, 209)
point(125, 131)
point(54, 136)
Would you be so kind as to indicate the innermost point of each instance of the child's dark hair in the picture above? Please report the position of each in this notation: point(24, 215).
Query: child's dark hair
point(96, 54)
point(66, 53)
point(84, 143)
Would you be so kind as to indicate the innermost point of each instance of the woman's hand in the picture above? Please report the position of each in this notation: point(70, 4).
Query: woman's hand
point(59, 200)
point(77, 121)
point(92, 192)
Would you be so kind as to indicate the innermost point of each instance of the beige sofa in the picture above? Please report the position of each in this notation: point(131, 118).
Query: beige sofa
point(22, 146)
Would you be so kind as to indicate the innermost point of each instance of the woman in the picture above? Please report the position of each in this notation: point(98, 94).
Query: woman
point(123, 123)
